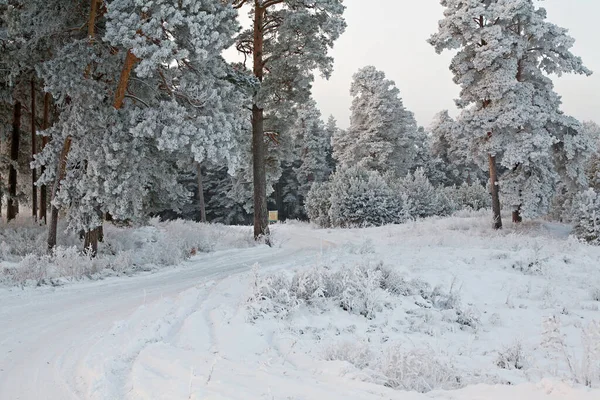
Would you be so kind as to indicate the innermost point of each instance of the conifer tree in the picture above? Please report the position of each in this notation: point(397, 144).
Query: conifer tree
point(143, 92)
point(510, 111)
point(382, 133)
point(288, 41)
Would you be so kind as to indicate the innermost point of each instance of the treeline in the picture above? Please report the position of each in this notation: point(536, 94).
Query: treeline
point(121, 110)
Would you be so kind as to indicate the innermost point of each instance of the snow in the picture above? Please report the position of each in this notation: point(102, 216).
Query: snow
point(196, 331)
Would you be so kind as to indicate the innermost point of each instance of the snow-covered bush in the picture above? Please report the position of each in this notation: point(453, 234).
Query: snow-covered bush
point(362, 289)
point(65, 263)
point(595, 293)
point(586, 216)
point(585, 369)
point(356, 353)
point(24, 236)
point(421, 193)
point(474, 196)
point(360, 197)
point(418, 370)
point(420, 198)
point(318, 203)
point(512, 357)
point(125, 250)
point(356, 289)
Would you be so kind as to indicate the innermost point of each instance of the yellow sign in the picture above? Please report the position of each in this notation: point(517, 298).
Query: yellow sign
point(273, 216)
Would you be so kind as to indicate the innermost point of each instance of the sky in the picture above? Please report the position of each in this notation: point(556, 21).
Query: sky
point(392, 34)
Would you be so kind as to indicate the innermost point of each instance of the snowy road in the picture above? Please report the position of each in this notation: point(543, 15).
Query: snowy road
point(47, 333)
point(182, 333)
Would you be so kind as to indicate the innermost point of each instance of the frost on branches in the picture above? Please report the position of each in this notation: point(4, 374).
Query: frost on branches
point(586, 216)
point(506, 50)
point(183, 104)
point(382, 132)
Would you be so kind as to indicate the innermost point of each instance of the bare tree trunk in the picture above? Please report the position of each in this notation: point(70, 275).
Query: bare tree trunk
point(91, 241)
point(43, 189)
point(201, 202)
point(34, 194)
point(516, 216)
point(61, 172)
point(261, 218)
point(495, 188)
point(130, 61)
point(11, 208)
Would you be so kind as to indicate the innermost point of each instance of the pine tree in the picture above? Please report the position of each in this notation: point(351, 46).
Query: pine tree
point(331, 131)
point(312, 145)
point(288, 41)
point(382, 133)
point(143, 94)
point(510, 111)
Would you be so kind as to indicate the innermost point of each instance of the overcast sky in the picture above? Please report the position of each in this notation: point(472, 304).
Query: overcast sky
point(392, 34)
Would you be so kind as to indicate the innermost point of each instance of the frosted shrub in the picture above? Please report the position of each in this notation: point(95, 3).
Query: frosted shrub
point(425, 199)
point(584, 370)
point(270, 294)
point(512, 357)
point(125, 249)
point(309, 285)
point(417, 370)
point(24, 236)
point(595, 294)
point(318, 203)
point(31, 269)
point(421, 192)
point(70, 263)
point(474, 197)
point(355, 353)
point(586, 216)
point(360, 197)
point(123, 262)
point(359, 290)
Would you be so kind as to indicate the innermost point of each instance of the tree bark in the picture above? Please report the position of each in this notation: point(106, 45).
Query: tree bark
point(516, 216)
point(495, 189)
point(61, 172)
point(43, 189)
point(11, 207)
point(261, 218)
point(90, 243)
point(96, 235)
point(62, 163)
point(34, 192)
point(130, 61)
point(201, 202)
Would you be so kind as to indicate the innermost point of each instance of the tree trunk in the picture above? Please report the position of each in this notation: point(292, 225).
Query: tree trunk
point(201, 202)
point(495, 188)
point(516, 216)
point(61, 171)
point(43, 189)
point(130, 61)
point(11, 208)
point(97, 234)
point(90, 243)
point(261, 218)
point(62, 163)
point(34, 194)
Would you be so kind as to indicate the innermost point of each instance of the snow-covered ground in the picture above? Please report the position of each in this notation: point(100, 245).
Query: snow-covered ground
point(325, 314)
